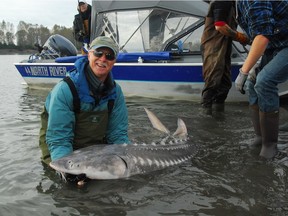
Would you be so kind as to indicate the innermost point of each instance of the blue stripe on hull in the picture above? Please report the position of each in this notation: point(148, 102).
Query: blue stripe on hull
point(159, 73)
point(165, 73)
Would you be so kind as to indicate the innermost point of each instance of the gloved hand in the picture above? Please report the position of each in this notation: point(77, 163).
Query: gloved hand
point(240, 81)
point(72, 178)
point(252, 76)
point(75, 178)
point(253, 73)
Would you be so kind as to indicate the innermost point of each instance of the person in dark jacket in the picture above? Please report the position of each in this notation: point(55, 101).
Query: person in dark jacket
point(87, 107)
point(82, 24)
point(216, 43)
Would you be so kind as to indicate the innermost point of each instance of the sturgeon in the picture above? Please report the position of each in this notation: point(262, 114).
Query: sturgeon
point(124, 160)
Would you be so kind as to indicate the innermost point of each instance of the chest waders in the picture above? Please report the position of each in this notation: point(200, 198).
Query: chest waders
point(216, 55)
point(90, 126)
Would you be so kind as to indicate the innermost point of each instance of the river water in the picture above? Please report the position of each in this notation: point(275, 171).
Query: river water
point(225, 177)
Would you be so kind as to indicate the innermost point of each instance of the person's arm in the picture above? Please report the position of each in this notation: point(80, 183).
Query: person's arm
point(235, 35)
point(257, 49)
point(117, 132)
point(61, 121)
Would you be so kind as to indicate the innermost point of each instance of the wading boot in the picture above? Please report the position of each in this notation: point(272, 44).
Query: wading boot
point(254, 113)
point(219, 107)
point(206, 103)
point(206, 111)
point(269, 123)
point(206, 108)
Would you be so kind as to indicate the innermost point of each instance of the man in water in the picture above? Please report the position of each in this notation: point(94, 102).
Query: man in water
point(88, 107)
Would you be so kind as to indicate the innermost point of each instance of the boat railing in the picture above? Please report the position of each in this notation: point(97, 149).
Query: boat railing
point(130, 57)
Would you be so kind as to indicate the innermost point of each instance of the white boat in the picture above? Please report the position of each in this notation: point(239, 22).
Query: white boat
point(159, 50)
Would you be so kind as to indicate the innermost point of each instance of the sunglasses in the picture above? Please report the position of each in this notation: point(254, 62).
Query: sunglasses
point(108, 56)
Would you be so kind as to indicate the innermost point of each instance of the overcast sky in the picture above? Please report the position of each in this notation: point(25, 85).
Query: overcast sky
point(41, 12)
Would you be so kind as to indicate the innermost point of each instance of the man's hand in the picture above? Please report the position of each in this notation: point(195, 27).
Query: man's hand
point(253, 73)
point(242, 38)
point(235, 35)
point(79, 179)
point(240, 81)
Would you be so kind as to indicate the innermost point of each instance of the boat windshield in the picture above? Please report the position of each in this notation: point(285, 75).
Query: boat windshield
point(153, 30)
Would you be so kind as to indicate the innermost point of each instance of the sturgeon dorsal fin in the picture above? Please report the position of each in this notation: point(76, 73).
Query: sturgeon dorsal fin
point(156, 123)
point(181, 130)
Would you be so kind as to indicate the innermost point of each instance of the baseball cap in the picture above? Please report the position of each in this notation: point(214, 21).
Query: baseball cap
point(103, 41)
point(80, 2)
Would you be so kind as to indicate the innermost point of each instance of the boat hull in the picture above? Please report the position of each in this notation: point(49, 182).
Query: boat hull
point(172, 81)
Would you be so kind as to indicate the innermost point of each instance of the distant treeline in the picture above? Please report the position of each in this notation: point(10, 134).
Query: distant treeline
point(28, 35)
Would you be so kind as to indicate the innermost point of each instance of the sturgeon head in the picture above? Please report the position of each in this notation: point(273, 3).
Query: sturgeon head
point(96, 162)
point(124, 160)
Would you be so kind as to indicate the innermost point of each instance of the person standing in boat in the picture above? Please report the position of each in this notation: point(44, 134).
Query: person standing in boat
point(87, 107)
point(265, 22)
point(216, 45)
point(81, 25)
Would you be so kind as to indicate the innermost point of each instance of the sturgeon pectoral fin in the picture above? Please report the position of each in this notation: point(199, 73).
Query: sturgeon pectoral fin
point(157, 124)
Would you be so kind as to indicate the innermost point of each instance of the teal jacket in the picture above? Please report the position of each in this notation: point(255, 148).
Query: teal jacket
point(61, 121)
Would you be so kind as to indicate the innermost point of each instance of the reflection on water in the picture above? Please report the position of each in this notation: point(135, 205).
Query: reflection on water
point(225, 177)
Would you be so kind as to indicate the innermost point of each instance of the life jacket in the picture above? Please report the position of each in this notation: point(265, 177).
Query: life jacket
point(90, 126)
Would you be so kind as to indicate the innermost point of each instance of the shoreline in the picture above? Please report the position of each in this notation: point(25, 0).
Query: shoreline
point(17, 52)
